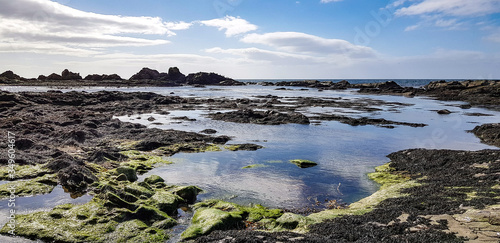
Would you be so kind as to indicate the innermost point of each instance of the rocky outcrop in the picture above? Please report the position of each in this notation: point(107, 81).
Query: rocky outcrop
point(67, 75)
point(269, 117)
point(97, 77)
point(175, 75)
point(203, 78)
point(9, 75)
point(149, 74)
point(488, 133)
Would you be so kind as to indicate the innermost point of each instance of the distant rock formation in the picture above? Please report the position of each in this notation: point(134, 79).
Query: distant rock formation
point(9, 75)
point(149, 74)
point(203, 78)
point(97, 77)
point(175, 74)
point(65, 75)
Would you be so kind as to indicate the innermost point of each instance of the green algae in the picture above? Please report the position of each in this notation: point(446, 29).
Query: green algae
point(188, 148)
point(219, 215)
point(23, 172)
point(21, 188)
point(302, 163)
point(254, 166)
point(143, 161)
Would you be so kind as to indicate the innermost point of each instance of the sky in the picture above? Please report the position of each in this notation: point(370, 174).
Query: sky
point(254, 39)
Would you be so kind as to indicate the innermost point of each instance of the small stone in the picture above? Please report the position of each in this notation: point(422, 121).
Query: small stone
point(444, 112)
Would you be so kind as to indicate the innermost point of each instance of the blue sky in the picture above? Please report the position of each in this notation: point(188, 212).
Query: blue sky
point(341, 39)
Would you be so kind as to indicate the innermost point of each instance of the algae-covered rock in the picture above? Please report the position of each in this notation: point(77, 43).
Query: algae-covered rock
point(153, 179)
point(302, 163)
point(127, 171)
point(291, 220)
point(219, 215)
point(42, 185)
point(166, 202)
point(207, 220)
point(253, 166)
point(188, 193)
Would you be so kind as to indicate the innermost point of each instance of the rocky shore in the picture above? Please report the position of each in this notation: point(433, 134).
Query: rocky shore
point(71, 139)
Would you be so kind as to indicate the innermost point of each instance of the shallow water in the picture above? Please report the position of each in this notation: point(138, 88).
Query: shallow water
point(345, 154)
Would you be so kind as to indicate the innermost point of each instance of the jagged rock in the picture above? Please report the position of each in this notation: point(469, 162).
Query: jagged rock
point(203, 78)
point(54, 76)
point(175, 74)
point(42, 78)
point(67, 75)
point(97, 77)
point(149, 74)
point(9, 75)
point(269, 117)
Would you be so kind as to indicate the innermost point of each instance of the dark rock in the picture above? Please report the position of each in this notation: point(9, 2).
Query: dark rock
point(153, 179)
point(174, 74)
point(149, 74)
point(67, 75)
point(366, 121)
point(209, 131)
point(488, 133)
point(42, 78)
point(9, 75)
point(97, 77)
point(444, 112)
point(54, 76)
point(269, 117)
point(76, 178)
point(203, 78)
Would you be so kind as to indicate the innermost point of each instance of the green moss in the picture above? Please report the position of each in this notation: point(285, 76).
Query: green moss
point(189, 148)
point(165, 201)
point(384, 175)
point(143, 161)
point(23, 172)
point(254, 166)
point(41, 185)
point(302, 163)
point(206, 220)
point(128, 171)
point(153, 179)
point(215, 214)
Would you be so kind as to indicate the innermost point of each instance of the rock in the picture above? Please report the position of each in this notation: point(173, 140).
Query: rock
point(174, 74)
point(488, 133)
point(290, 220)
point(246, 147)
point(302, 163)
point(188, 193)
point(76, 178)
point(207, 220)
point(153, 179)
point(9, 75)
point(54, 76)
point(209, 131)
point(127, 171)
point(97, 77)
point(149, 74)
point(444, 112)
point(269, 117)
point(203, 78)
point(166, 202)
point(67, 75)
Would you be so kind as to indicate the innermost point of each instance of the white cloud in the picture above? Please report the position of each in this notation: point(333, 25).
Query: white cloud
point(297, 42)
point(259, 55)
point(39, 23)
point(452, 7)
point(232, 25)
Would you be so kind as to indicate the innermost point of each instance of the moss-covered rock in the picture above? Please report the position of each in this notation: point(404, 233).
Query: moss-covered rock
point(41, 185)
point(188, 193)
point(129, 172)
point(165, 201)
point(23, 172)
point(302, 163)
point(214, 214)
point(254, 166)
point(206, 220)
point(153, 179)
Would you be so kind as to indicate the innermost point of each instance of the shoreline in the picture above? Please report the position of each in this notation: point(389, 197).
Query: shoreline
point(82, 129)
